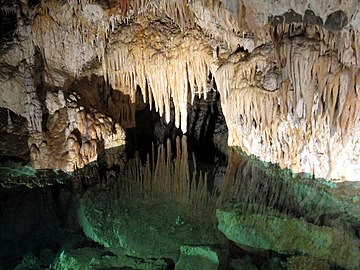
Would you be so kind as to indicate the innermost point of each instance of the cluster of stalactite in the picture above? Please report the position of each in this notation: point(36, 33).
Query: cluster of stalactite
point(293, 101)
point(164, 62)
point(32, 105)
point(138, 53)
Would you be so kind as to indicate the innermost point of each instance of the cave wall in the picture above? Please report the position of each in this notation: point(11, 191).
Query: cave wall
point(286, 71)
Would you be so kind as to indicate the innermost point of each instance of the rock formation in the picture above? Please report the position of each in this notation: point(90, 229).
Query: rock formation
point(287, 73)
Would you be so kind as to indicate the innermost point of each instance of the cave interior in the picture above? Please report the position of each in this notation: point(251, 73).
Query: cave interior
point(179, 134)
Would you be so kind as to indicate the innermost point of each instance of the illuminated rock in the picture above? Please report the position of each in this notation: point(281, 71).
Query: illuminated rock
point(289, 236)
point(150, 230)
point(98, 258)
point(287, 71)
point(199, 258)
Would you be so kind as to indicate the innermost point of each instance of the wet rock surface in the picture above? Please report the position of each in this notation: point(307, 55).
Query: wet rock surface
point(115, 223)
point(193, 257)
point(290, 236)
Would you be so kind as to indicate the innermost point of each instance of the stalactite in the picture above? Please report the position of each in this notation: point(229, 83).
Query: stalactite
point(190, 66)
point(32, 104)
point(317, 95)
point(165, 73)
point(349, 111)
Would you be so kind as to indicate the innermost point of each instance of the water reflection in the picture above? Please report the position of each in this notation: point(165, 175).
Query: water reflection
point(171, 211)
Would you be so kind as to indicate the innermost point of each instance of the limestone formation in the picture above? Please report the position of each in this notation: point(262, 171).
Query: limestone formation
point(72, 136)
point(287, 72)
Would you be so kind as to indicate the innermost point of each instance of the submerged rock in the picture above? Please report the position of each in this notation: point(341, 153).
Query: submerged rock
point(199, 258)
point(46, 256)
point(242, 263)
point(290, 236)
point(14, 174)
point(305, 263)
point(29, 262)
point(95, 258)
point(79, 253)
point(143, 228)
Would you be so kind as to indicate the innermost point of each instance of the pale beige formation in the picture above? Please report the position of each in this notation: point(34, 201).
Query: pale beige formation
point(287, 73)
point(72, 136)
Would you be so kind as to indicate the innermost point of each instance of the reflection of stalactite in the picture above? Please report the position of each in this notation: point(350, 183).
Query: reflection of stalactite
point(32, 104)
point(9, 125)
point(255, 187)
point(250, 189)
point(162, 177)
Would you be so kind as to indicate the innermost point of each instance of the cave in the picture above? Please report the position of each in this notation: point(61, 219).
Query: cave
point(179, 134)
